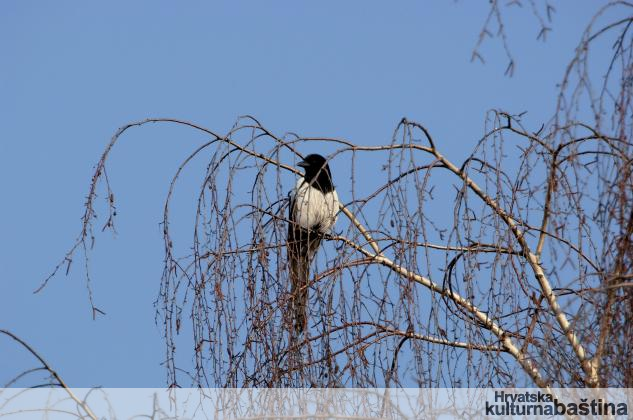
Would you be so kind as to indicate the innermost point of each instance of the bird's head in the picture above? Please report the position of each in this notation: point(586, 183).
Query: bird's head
point(317, 172)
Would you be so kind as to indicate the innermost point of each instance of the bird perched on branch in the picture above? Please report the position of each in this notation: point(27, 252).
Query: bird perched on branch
point(313, 211)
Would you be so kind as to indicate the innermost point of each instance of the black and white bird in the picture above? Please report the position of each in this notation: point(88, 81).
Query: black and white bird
point(314, 208)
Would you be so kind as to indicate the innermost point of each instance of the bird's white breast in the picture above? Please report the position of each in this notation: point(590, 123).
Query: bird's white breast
point(312, 207)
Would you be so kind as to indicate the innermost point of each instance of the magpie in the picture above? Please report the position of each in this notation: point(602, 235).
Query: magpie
point(312, 213)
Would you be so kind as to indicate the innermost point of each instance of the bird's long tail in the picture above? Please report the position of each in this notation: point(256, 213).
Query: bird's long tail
point(302, 246)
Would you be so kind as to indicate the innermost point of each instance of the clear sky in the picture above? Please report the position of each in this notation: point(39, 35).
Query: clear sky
point(73, 72)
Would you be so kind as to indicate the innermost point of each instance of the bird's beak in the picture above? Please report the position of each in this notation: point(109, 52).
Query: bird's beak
point(303, 164)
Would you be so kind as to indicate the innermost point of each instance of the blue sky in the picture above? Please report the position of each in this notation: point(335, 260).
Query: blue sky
point(73, 72)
